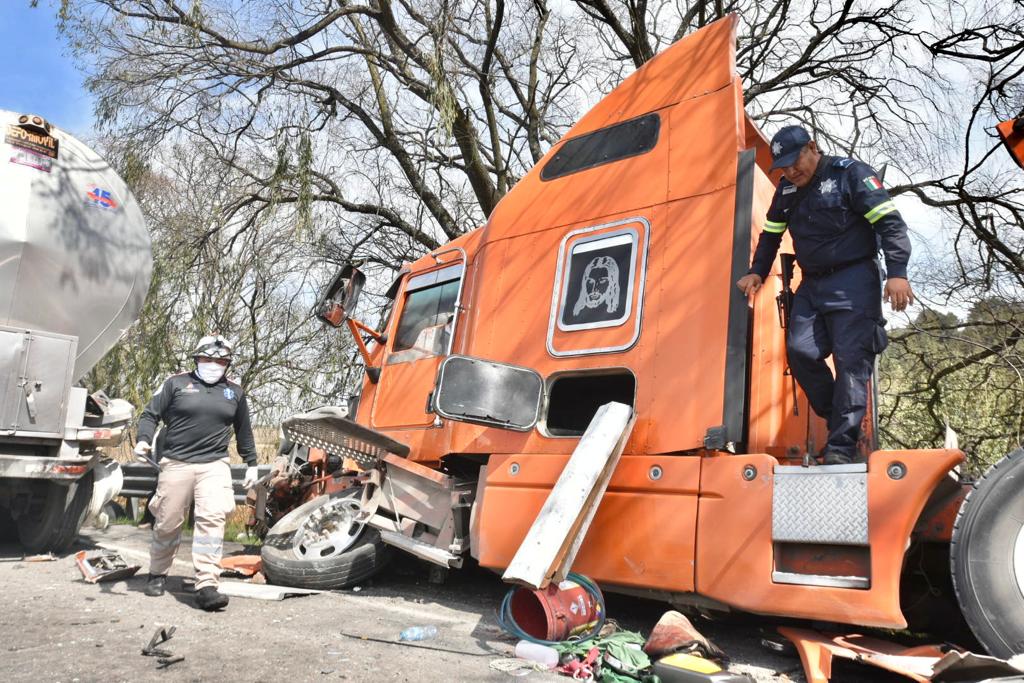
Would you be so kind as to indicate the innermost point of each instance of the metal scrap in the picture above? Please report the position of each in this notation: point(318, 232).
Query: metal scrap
point(100, 566)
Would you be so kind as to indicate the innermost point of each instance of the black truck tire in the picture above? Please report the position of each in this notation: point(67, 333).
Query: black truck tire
point(366, 555)
point(55, 527)
point(987, 577)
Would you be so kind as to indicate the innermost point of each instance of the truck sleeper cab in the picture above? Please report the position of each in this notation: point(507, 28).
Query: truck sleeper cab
point(606, 274)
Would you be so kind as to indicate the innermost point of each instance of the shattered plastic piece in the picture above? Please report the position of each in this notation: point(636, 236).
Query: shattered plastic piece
point(100, 566)
point(916, 663)
point(967, 666)
point(246, 565)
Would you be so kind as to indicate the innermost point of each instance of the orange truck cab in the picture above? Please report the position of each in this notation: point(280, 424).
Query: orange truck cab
point(607, 274)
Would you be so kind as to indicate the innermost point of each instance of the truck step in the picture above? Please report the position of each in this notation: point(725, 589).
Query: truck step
point(422, 550)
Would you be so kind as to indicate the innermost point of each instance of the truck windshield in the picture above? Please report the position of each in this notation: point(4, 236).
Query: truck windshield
point(425, 326)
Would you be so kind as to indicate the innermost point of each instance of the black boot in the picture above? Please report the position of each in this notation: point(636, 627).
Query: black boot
point(210, 600)
point(155, 585)
point(837, 458)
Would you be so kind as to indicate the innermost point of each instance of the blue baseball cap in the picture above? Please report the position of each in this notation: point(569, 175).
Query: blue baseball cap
point(786, 146)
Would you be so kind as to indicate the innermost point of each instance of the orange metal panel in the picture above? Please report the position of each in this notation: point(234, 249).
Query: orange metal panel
point(734, 538)
point(402, 395)
point(774, 425)
point(685, 369)
point(643, 531)
point(702, 62)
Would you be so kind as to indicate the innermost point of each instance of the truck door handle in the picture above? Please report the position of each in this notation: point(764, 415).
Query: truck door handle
point(30, 397)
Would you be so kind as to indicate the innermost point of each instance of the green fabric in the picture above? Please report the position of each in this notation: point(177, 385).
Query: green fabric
point(623, 646)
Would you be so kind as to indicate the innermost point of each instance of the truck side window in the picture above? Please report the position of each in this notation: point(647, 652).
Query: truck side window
point(425, 325)
point(620, 141)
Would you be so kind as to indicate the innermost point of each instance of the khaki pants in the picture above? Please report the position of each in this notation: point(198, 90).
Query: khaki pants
point(210, 485)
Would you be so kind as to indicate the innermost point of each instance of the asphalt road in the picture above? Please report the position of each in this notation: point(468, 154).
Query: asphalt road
point(57, 627)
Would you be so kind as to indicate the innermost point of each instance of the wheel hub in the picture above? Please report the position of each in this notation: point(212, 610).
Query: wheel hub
point(329, 530)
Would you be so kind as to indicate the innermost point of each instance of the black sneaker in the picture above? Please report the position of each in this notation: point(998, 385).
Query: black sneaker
point(210, 600)
point(155, 585)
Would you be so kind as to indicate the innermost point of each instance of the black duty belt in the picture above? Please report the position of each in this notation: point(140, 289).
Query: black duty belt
point(825, 272)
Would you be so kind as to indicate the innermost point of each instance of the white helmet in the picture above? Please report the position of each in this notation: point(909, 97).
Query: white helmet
point(214, 346)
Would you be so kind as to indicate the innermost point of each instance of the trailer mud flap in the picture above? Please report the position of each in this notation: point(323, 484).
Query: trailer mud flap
point(820, 526)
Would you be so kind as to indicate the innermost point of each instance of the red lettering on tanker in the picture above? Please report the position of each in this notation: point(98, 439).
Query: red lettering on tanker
point(101, 198)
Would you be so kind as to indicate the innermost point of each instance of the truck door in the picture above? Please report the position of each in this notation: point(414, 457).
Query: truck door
point(421, 337)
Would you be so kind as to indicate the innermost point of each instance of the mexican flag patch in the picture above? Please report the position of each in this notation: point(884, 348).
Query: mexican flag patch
point(873, 183)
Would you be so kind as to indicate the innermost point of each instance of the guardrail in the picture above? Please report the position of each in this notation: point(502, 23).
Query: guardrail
point(140, 480)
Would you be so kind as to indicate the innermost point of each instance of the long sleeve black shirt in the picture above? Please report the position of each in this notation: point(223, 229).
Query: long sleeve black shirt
point(843, 215)
point(198, 420)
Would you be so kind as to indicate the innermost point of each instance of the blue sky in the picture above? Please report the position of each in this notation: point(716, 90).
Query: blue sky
point(38, 75)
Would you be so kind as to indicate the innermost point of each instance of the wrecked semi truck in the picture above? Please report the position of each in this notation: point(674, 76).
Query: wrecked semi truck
point(75, 266)
point(606, 275)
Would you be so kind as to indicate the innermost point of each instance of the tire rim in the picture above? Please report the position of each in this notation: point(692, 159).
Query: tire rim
point(329, 530)
point(1018, 560)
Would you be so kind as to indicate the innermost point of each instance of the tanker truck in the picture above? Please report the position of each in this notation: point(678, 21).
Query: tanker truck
point(75, 266)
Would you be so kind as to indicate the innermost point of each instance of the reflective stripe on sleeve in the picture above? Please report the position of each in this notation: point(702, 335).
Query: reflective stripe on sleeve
point(774, 226)
point(882, 209)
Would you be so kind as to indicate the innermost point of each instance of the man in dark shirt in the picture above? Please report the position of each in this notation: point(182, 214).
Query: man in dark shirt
point(199, 409)
point(837, 212)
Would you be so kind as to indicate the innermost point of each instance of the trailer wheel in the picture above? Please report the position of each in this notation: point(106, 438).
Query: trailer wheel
point(320, 545)
point(55, 525)
point(987, 557)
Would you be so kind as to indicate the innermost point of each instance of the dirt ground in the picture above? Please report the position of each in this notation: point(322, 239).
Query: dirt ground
point(56, 627)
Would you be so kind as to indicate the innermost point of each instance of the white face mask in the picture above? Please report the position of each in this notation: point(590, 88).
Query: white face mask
point(210, 372)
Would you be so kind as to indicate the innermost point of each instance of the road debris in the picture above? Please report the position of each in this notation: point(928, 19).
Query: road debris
point(938, 663)
point(241, 565)
point(45, 557)
point(100, 566)
point(261, 592)
point(674, 633)
point(165, 658)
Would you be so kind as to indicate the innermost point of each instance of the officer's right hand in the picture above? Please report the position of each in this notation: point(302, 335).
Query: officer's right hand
point(749, 283)
point(142, 450)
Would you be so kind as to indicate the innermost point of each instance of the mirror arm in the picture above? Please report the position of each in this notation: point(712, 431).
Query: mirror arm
point(354, 326)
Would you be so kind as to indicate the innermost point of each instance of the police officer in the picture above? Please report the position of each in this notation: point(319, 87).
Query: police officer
point(837, 212)
point(199, 410)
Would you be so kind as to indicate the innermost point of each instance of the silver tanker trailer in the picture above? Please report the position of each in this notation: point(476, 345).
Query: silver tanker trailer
point(75, 265)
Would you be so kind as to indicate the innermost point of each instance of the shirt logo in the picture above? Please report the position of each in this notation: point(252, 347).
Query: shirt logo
point(189, 389)
point(229, 393)
point(777, 149)
point(827, 186)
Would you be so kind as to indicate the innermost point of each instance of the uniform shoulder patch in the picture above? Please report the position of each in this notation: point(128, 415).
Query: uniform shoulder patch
point(842, 163)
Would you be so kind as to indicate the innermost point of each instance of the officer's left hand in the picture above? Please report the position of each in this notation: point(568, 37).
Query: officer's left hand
point(898, 293)
point(251, 475)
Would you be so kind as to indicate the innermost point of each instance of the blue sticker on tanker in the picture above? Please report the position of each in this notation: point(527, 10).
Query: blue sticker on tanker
point(101, 198)
point(229, 394)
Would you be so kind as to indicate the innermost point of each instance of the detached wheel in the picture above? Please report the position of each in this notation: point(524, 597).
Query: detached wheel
point(987, 557)
point(54, 520)
point(320, 545)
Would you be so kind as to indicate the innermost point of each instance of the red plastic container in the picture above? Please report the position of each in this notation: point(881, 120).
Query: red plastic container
point(555, 613)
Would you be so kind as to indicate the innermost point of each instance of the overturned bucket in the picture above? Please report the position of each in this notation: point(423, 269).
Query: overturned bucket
point(555, 613)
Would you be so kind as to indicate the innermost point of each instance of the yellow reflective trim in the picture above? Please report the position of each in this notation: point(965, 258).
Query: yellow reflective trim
point(877, 212)
point(775, 226)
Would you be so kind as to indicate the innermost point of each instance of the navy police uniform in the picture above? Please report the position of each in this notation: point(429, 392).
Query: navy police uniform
point(837, 223)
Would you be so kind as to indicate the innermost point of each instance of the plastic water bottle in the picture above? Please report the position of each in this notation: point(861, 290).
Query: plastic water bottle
point(535, 652)
point(418, 633)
